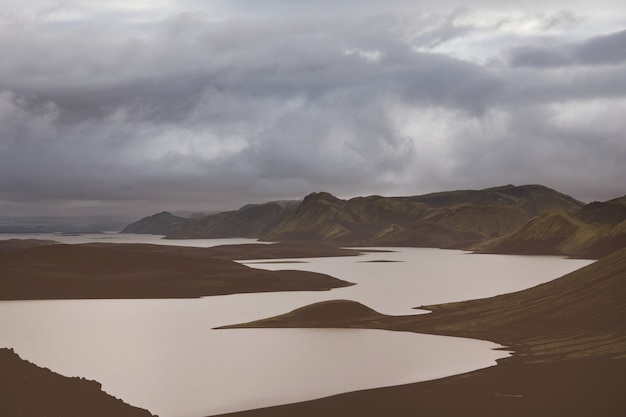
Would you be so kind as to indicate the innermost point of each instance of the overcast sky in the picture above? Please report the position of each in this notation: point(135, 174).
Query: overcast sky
point(137, 107)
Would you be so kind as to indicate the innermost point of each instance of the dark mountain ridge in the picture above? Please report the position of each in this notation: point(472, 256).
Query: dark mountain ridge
point(527, 219)
point(447, 219)
point(251, 220)
point(450, 219)
point(158, 224)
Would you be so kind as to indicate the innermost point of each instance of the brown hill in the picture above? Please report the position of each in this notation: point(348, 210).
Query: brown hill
point(447, 219)
point(250, 221)
point(157, 224)
point(334, 313)
point(593, 231)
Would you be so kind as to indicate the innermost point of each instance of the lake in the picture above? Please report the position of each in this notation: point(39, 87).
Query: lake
point(164, 355)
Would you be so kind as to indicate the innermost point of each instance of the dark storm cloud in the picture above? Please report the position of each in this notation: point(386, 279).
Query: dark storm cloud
point(197, 112)
point(599, 50)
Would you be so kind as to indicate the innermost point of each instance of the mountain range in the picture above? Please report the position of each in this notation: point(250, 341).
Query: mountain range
point(528, 219)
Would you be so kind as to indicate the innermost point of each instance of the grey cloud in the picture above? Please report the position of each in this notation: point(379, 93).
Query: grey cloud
point(192, 111)
point(607, 49)
point(534, 144)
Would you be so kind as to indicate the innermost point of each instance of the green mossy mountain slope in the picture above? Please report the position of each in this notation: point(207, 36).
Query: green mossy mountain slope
point(528, 219)
point(593, 231)
point(448, 219)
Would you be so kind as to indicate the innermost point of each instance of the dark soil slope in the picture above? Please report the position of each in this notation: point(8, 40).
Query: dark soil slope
point(27, 390)
point(16, 245)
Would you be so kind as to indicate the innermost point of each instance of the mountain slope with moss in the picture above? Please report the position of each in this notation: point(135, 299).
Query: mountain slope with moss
point(593, 231)
point(446, 219)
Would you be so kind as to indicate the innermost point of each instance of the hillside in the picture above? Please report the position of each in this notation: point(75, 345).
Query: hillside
point(251, 221)
point(157, 224)
point(27, 390)
point(447, 219)
point(593, 231)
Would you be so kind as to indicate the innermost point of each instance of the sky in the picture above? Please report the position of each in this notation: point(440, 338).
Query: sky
point(136, 107)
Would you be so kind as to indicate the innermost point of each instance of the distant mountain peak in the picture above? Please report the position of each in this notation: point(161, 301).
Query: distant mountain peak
point(159, 224)
point(321, 195)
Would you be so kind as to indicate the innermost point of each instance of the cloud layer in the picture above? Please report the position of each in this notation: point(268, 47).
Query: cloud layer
point(210, 105)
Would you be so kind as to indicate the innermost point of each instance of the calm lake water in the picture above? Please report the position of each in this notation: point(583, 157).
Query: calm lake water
point(164, 356)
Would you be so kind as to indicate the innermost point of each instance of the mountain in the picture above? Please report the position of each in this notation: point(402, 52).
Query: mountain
point(157, 224)
point(593, 231)
point(532, 199)
point(446, 219)
point(251, 221)
point(451, 219)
